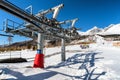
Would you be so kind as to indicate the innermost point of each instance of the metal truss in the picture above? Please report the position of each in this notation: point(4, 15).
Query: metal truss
point(38, 23)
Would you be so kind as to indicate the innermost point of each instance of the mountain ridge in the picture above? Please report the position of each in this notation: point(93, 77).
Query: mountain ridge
point(111, 29)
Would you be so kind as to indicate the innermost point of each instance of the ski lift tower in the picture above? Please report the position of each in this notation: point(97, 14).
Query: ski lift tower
point(38, 26)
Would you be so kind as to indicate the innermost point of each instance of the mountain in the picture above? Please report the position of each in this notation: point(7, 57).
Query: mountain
point(112, 29)
point(106, 28)
point(94, 30)
point(23, 43)
point(81, 33)
point(31, 44)
point(91, 31)
point(20, 44)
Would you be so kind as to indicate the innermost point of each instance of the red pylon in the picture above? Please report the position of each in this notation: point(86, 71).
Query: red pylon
point(39, 60)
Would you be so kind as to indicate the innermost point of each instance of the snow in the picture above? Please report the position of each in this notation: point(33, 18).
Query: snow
point(91, 31)
point(81, 33)
point(97, 62)
point(106, 28)
point(115, 29)
point(110, 30)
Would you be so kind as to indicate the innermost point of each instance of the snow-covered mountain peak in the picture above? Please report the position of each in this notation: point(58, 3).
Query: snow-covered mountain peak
point(91, 31)
point(114, 29)
point(111, 29)
point(106, 28)
point(94, 30)
point(95, 27)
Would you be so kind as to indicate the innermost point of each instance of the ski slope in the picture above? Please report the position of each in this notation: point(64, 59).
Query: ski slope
point(99, 62)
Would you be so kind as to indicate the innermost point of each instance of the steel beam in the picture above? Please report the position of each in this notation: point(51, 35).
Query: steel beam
point(63, 56)
point(11, 8)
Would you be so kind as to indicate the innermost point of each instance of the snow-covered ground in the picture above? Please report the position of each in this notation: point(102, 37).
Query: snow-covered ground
point(99, 62)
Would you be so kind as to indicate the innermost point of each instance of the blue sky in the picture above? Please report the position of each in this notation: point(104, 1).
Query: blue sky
point(91, 13)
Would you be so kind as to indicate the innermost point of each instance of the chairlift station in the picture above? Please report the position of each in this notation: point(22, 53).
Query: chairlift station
point(39, 26)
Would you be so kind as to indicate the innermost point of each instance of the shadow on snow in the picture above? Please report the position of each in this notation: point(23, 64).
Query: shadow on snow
point(85, 61)
point(21, 76)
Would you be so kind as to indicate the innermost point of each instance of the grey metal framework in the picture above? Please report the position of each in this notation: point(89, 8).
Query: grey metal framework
point(6, 35)
point(38, 25)
point(35, 22)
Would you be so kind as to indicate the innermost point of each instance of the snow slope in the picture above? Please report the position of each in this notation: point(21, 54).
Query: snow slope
point(115, 29)
point(111, 29)
point(96, 62)
point(91, 31)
